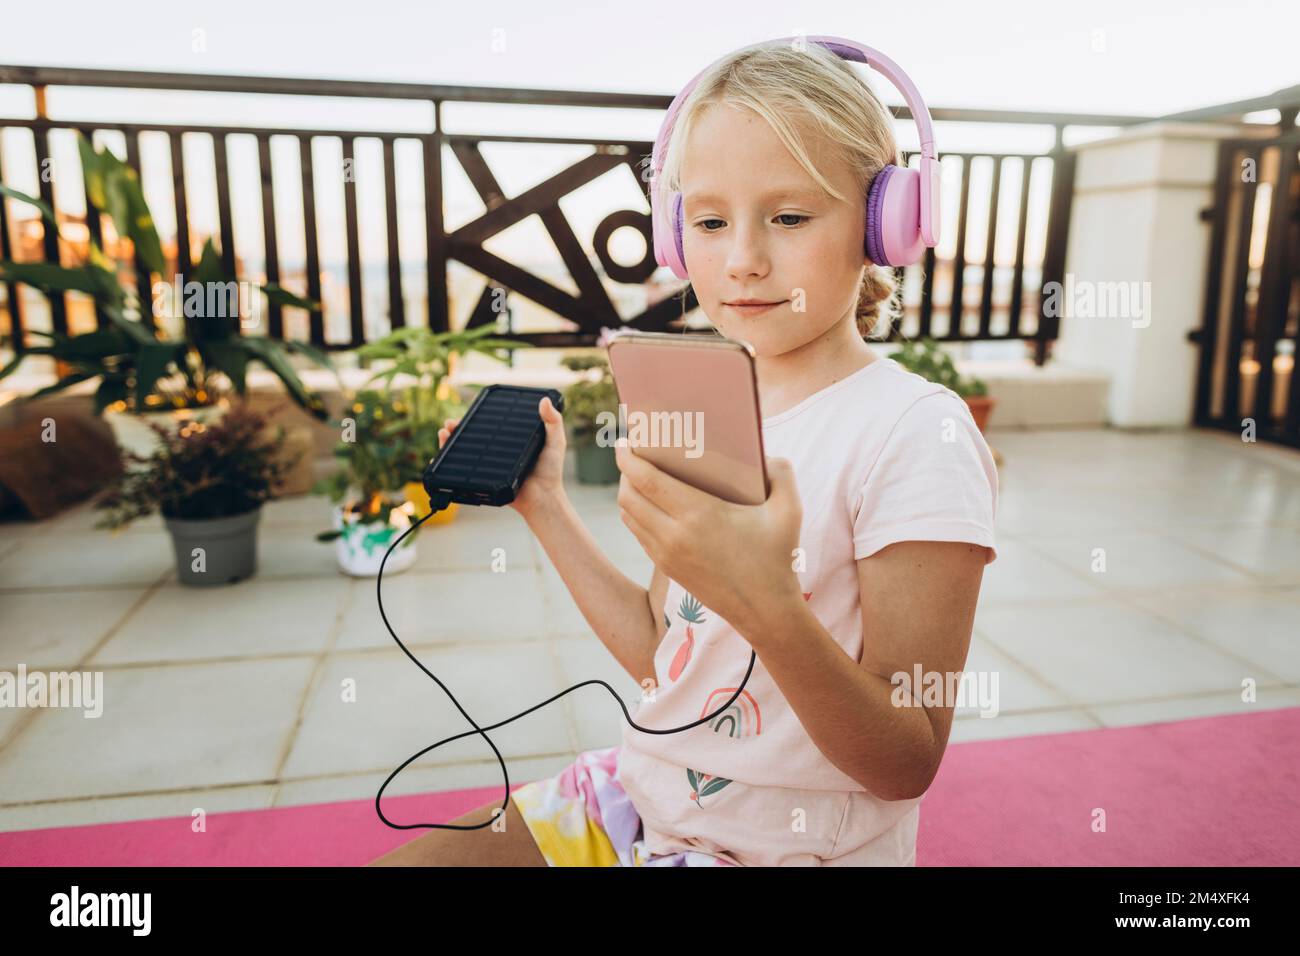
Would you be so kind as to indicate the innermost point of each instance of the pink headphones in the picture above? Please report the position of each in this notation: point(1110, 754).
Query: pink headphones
point(902, 215)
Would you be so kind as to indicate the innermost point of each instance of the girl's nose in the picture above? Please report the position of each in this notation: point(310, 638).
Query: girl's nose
point(747, 255)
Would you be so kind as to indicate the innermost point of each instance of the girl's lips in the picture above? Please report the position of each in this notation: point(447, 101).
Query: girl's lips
point(753, 310)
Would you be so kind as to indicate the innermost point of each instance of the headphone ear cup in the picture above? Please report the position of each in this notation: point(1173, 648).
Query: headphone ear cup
point(665, 230)
point(893, 217)
point(677, 238)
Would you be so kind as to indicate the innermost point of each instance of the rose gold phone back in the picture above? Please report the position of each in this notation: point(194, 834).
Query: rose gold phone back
point(710, 397)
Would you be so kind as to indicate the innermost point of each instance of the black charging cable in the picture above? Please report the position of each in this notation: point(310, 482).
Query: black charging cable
point(438, 503)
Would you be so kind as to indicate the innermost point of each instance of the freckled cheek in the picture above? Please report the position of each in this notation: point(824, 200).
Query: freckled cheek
point(705, 267)
point(825, 270)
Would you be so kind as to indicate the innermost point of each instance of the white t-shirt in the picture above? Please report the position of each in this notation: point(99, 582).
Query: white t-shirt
point(880, 456)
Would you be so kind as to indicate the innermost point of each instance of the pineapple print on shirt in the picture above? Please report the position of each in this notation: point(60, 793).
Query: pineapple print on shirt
point(692, 612)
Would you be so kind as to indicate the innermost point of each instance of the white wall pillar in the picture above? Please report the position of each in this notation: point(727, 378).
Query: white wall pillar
point(1136, 236)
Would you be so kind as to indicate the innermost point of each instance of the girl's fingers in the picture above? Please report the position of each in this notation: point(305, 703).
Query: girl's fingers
point(638, 531)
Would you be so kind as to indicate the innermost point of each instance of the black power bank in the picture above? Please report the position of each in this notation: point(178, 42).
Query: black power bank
point(493, 448)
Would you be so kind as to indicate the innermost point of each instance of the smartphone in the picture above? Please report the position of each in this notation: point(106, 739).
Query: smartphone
point(493, 448)
point(689, 405)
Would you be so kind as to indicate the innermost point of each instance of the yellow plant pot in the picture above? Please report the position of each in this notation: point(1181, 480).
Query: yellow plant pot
point(415, 493)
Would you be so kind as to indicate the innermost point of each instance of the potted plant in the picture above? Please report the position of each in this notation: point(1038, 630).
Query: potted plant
point(584, 401)
point(927, 359)
point(417, 364)
point(153, 357)
point(209, 481)
point(377, 454)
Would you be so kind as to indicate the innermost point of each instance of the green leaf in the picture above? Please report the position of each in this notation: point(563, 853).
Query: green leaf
point(713, 786)
point(92, 171)
point(152, 362)
point(103, 272)
point(115, 198)
point(13, 365)
point(99, 344)
point(272, 354)
point(317, 355)
point(378, 350)
point(114, 188)
point(139, 332)
point(61, 384)
point(277, 294)
point(209, 268)
point(50, 277)
point(140, 226)
point(46, 212)
point(387, 374)
point(111, 389)
point(232, 360)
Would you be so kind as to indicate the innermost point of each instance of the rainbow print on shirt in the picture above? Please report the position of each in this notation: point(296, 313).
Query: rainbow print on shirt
point(742, 719)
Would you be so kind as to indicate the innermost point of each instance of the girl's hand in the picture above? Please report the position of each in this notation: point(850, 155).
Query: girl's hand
point(545, 483)
point(699, 540)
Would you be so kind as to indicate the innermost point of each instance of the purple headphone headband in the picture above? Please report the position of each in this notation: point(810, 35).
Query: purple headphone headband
point(847, 50)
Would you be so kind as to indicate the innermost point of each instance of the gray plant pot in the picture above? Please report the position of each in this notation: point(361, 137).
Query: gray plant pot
point(597, 464)
point(229, 548)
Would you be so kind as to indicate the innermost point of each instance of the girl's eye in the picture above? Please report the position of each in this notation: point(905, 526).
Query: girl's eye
point(798, 218)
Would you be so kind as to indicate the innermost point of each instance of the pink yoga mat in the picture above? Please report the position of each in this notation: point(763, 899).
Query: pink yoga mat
point(347, 833)
point(1213, 791)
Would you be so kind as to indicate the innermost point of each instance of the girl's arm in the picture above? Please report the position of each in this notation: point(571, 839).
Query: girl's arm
point(918, 608)
point(616, 607)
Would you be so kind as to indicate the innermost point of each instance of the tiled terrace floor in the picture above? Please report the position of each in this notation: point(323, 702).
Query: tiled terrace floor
point(232, 698)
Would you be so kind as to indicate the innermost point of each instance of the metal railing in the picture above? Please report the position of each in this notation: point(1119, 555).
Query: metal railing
point(591, 308)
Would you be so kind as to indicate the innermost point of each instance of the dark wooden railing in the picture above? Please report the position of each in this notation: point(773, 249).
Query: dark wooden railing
point(1247, 381)
point(589, 310)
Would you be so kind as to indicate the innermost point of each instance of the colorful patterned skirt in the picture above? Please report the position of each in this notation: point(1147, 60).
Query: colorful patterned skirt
point(583, 817)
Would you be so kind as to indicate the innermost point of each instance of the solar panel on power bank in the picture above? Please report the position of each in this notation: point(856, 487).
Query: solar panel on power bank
point(493, 448)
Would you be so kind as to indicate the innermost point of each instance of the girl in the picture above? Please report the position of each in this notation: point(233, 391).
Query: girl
point(859, 574)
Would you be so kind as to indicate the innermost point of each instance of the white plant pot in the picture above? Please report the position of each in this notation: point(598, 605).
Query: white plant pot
point(361, 547)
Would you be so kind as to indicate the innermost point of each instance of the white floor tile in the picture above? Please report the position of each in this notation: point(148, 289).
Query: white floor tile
point(161, 727)
point(597, 719)
point(101, 559)
point(43, 629)
point(1186, 708)
point(1106, 653)
point(1004, 726)
point(1134, 561)
point(449, 607)
point(252, 618)
point(398, 710)
point(461, 776)
point(1261, 625)
point(75, 813)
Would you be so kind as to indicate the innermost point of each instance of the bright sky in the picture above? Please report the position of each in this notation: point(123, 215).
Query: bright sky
point(1142, 57)
point(1151, 56)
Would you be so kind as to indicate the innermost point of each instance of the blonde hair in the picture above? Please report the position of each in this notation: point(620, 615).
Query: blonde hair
point(797, 90)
